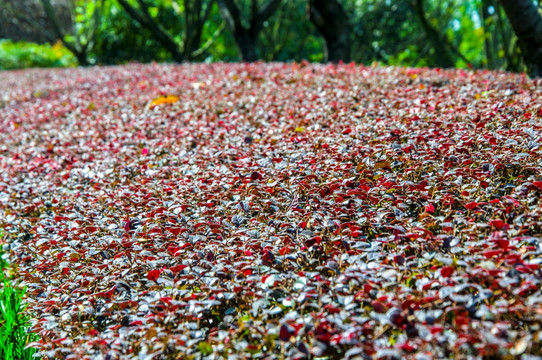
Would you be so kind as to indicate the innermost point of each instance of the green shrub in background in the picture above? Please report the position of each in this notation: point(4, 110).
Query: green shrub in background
point(19, 55)
point(14, 322)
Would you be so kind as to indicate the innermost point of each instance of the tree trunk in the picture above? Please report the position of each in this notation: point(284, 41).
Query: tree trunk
point(246, 37)
point(527, 24)
point(331, 22)
point(442, 56)
point(488, 45)
point(247, 45)
point(82, 59)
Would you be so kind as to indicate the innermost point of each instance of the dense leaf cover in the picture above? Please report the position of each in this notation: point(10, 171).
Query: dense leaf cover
point(274, 210)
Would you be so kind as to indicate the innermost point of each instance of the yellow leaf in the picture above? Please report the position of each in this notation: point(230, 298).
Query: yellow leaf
point(382, 164)
point(169, 99)
point(299, 129)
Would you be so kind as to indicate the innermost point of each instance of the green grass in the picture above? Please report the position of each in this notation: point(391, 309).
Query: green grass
point(14, 323)
point(20, 55)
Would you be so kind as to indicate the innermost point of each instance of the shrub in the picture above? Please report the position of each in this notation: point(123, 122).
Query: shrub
point(19, 55)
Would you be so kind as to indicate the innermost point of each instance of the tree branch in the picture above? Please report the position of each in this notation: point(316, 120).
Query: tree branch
point(268, 10)
point(51, 16)
point(231, 14)
point(209, 42)
point(207, 13)
point(146, 20)
point(30, 22)
point(93, 28)
point(442, 55)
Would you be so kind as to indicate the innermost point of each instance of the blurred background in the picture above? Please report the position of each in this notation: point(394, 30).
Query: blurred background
point(434, 33)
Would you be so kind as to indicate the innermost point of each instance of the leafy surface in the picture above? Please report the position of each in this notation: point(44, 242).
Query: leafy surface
point(280, 210)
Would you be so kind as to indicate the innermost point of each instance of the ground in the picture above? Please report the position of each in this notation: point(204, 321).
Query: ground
point(274, 210)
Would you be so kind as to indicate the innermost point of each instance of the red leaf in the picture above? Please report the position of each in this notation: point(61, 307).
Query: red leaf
point(430, 208)
point(408, 347)
point(178, 268)
point(284, 250)
point(153, 275)
point(491, 253)
point(256, 176)
point(313, 241)
point(502, 243)
point(92, 229)
point(174, 230)
point(173, 250)
point(268, 257)
point(499, 224)
point(108, 293)
point(286, 331)
point(446, 271)
point(378, 306)
point(471, 205)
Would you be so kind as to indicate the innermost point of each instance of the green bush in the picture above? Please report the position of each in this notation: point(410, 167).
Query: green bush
point(19, 55)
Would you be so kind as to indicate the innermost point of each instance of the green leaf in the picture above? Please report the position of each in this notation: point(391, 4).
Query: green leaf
point(205, 348)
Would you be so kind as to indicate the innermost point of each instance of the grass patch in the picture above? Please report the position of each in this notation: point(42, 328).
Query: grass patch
point(14, 323)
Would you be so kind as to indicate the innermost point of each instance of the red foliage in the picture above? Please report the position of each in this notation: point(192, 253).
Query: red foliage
point(331, 211)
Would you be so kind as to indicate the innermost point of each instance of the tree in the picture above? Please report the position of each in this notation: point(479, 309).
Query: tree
point(444, 59)
point(121, 39)
point(526, 21)
point(287, 38)
point(329, 17)
point(78, 37)
point(382, 31)
point(489, 42)
point(16, 30)
point(246, 35)
point(196, 13)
